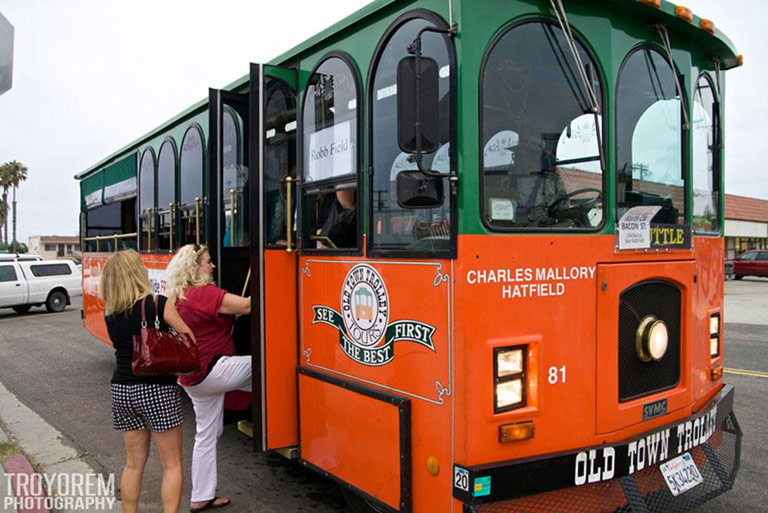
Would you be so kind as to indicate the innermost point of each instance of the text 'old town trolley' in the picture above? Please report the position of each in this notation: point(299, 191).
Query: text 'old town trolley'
point(485, 248)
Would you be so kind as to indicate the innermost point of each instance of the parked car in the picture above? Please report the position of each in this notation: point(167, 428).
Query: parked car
point(19, 257)
point(729, 270)
point(750, 263)
point(52, 283)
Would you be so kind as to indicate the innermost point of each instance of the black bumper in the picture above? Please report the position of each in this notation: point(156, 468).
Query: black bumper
point(620, 478)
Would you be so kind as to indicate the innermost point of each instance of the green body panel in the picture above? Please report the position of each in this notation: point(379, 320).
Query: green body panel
point(93, 183)
point(120, 171)
point(610, 29)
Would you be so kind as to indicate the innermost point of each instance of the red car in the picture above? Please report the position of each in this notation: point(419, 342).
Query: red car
point(751, 263)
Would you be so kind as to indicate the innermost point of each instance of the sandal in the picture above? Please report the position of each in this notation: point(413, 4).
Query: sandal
point(211, 504)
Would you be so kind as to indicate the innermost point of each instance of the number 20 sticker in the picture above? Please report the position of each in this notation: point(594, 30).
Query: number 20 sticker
point(461, 478)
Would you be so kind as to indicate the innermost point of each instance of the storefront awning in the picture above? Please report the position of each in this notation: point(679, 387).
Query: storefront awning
point(116, 182)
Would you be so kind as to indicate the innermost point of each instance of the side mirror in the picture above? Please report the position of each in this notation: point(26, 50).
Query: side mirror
point(418, 190)
point(424, 92)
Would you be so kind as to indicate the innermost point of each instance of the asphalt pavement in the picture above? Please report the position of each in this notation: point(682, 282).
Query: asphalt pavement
point(50, 364)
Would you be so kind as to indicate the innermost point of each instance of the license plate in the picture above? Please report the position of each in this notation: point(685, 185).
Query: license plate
point(681, 474)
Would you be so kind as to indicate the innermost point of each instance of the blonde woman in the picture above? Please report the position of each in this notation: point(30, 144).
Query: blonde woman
point(208, 311)
point(143, 407)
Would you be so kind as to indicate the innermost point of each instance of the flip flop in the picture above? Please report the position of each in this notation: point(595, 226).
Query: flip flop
point(211, 504)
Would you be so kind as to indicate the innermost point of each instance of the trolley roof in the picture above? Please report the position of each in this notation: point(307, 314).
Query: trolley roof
point(718, 45)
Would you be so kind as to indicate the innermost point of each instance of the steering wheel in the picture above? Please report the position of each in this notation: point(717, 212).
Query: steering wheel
point(565, 208)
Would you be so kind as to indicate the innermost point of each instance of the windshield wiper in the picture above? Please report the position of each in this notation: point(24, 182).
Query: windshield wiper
point(662, 30)
point(562, 19)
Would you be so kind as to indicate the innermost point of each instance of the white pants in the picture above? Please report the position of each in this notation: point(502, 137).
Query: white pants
point(229, 373)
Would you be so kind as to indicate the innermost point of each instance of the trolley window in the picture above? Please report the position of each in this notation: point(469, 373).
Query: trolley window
point(331, 157)
point(146, 199)
point(280, 160)
point(234, 182)
point(540, 158)
point(394, 228)
point(706, 159)
point(649, 139)
point(191, 177)
point(166, 193)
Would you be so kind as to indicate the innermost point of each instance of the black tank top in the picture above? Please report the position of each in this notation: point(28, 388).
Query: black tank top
point(122, 326)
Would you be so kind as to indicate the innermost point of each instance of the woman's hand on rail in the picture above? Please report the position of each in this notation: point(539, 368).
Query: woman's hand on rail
point(235, 305)
point(174, 320)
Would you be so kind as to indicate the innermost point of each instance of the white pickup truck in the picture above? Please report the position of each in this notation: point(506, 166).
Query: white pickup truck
point(53, 283)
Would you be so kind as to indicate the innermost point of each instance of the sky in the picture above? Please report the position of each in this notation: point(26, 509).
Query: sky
point(91, 76)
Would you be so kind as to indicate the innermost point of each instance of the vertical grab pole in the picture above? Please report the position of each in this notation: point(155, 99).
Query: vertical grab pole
point(288, 214)
point(170, 227)
point(149, 229)
point(232, 218)
point(197, 220)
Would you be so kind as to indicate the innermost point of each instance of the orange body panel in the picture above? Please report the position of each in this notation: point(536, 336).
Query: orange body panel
point(280, 350)
point(426, 331)
point(93, 307)
point(611, 415)
point(549, 296)
point(354, 437)
point(409, 354)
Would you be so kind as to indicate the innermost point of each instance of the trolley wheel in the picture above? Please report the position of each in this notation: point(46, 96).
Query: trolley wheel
point(56, 302)
point(738, 276)
point(358, 504)
point(22, 308)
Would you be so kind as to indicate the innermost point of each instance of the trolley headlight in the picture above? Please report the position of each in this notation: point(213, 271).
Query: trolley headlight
point(652, 339)
point(508, 362)
point(509, 393)
point(714, 335)
point(509, 378)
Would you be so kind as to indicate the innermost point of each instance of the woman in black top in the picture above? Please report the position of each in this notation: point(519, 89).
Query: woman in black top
point(142, 406)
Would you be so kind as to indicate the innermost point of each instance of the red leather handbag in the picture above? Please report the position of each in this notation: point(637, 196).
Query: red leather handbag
point(162, 353)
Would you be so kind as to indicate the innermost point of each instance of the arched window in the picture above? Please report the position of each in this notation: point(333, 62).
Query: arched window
point(330, 117)
point(391, 227)
point(147, 200)
point(280, 158)
point(166, 194)
point(540, 153)
point(191, 186)
point(234, 184)
point(706, 158)
point(649, 138)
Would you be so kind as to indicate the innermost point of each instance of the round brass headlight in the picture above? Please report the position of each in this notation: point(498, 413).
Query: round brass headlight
point(652, 339)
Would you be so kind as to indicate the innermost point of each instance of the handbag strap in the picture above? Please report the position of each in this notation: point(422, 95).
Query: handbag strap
point(143, 313)
point(157, 316)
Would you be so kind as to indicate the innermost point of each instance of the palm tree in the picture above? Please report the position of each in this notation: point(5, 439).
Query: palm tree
point(18, 173)
point(5, 183)
point(3, 214)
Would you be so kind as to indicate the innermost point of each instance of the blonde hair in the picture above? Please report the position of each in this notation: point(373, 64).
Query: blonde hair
point(124, 281)
point(184, 271)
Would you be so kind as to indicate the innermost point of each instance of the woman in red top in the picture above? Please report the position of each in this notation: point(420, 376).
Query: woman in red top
point(208, 311)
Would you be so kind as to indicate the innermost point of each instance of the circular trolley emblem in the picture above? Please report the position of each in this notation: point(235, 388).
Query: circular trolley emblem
point(365, 333)
point(364, 305)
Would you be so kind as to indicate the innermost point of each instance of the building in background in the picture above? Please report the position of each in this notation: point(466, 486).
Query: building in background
point(746, 224)
point(55, 246)
point(6, 54)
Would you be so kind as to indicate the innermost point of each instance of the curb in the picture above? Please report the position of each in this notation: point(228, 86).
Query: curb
point(46, 447)
point(22, 478)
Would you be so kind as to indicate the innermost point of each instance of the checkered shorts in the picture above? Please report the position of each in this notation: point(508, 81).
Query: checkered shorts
point(139, 406)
